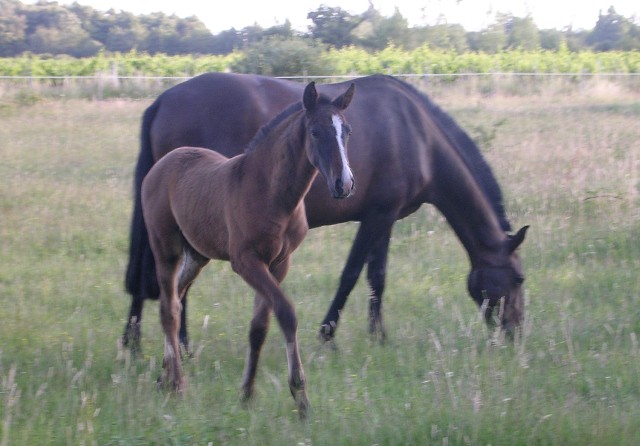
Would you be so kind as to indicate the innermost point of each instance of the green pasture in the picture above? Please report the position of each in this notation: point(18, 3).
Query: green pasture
point(569, 166)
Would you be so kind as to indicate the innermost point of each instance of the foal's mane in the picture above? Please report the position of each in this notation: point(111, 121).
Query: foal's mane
point(284, 114)
point(269, 126)
point(468, 151)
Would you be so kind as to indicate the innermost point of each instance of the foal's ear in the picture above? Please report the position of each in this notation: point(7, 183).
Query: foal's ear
point(344, 99)
point(310, 97)
point(517, 239)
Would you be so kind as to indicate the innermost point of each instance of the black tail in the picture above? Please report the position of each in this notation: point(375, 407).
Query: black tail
point(140, 280)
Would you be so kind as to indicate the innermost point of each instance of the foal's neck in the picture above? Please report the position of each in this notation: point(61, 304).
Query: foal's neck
point(281, 160)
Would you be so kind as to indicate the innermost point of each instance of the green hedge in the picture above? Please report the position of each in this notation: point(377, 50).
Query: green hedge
point(343, 61)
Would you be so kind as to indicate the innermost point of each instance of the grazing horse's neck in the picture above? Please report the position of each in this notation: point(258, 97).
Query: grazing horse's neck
point(457, 194)
point(281, 158)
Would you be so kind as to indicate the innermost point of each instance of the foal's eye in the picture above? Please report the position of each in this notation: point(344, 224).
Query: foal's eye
point(315, 134)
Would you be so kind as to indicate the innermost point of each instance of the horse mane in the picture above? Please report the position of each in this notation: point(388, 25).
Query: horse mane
point(269, 126)
point(468, 151)
point(284, 114)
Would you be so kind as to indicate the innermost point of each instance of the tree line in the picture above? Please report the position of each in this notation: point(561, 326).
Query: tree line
point(82, 31)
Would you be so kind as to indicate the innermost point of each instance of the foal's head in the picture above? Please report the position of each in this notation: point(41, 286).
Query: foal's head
point(327, 134)
point(498, 289)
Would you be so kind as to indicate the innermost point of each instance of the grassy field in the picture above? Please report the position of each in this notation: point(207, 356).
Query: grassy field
point(569, 166)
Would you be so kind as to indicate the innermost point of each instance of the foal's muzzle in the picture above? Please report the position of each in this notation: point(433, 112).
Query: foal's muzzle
point(344, 189)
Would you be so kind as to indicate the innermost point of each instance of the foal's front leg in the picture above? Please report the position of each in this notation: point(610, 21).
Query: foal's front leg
point(257, 335)
point(270, 297)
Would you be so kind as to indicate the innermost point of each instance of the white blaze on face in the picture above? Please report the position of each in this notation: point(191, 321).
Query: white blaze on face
point(346, 175)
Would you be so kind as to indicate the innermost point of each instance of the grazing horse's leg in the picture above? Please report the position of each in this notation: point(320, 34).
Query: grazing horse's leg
point(270, 297)
point(133, 330)
point(372, 230)
point(376, 275)
point(147, 289)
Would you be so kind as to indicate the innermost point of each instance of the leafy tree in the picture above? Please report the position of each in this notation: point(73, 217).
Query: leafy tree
point(444, 36)
point(390, 30)
point(123, 32)
point(12, 28)
point(522, 34)
point(376, 32)
point(552, 39)
point(251, 34)
point(284, 31)
point(54, 29)
point(225, 42)
point(277, 56)
point(333, 25)
point(162, 34)
point(194, 37)
point(612, 32)
point(490, 40)
point(576, 40)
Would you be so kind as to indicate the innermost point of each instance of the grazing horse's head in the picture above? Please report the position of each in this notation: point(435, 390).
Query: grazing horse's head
point(327, 133)
point(499, 288)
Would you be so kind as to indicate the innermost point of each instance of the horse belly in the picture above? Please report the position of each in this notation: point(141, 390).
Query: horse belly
point(210, 240)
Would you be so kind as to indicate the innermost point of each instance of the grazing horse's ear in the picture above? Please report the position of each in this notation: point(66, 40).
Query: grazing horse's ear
point(344, 99)
point(310, 97)
point(517, 239)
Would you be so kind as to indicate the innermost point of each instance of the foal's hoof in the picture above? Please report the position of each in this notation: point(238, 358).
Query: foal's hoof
point(169, 385)
point(185, 352)
point(302, 402)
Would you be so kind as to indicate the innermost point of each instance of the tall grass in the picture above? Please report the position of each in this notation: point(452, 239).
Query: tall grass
point(568, 165)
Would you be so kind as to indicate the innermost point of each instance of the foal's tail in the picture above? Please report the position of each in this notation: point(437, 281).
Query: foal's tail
point(140, 279)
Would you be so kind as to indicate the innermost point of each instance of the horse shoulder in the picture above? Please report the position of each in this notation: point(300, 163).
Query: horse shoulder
point(297, 228)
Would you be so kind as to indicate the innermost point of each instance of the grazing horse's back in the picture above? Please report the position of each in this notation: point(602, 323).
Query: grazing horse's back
point(218, 111)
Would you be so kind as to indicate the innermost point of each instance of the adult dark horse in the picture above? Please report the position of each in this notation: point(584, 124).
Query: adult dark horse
point(200, 205)
point(406, 152)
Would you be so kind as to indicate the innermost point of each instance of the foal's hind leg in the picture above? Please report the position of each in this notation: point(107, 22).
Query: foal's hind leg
point(167, 244)
point(192, 264)
point(170, 319)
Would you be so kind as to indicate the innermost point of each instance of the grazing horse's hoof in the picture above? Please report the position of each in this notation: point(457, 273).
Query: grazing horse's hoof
point(327, 332)
point(377, 332)
point(131, 337)
point(246, 398)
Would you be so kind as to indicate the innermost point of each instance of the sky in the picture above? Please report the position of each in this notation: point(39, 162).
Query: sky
point(473, 15)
